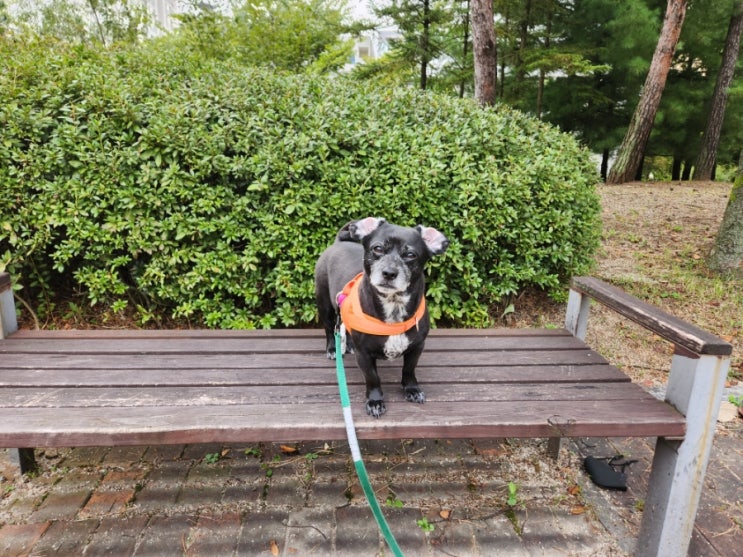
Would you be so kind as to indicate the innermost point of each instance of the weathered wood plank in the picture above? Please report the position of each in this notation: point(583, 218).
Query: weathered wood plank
point(656, 320)
point(62, 427)
point(259, 333)
point(209, 376)
point(177, 362)
point(267, 345)
point(186, 397)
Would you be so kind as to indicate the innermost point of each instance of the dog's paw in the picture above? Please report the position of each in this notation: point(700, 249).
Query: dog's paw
point(414, 394)
point(330, 354)
point(375, 408)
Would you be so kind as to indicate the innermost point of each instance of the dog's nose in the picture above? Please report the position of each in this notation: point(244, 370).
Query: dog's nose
point(389, 274)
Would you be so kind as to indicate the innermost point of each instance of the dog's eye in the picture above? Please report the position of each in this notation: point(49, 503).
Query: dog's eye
point(378, 249)
point(409, 255)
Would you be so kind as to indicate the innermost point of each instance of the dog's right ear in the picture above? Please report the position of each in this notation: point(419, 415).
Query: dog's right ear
point(357, 230)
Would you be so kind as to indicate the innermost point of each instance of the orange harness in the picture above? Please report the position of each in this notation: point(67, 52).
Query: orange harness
point(355, 319)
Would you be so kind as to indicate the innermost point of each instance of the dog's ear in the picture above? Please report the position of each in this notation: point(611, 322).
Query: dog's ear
point(344, 234)
point(355, 231)
point(435, 241)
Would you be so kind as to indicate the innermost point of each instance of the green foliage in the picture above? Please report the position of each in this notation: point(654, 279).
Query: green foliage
point(293, 35)
point(176, 186)
point(424, 525)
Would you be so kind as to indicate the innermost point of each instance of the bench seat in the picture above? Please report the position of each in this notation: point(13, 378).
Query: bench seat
point(101, 388)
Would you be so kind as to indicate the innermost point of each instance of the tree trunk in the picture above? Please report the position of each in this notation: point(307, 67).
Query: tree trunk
point(726, 256)
point(483, 50)
point(465, 45)
point(604, 163)
point(542, 73)
point(425, 41)
point(705, 164)
point(686, 174)
point(633, 146)
point(676, 168)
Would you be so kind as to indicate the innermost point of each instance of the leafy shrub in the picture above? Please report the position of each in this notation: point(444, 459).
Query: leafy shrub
point(205, 190)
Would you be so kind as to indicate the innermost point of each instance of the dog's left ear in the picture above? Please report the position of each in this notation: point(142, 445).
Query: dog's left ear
point(435, 241)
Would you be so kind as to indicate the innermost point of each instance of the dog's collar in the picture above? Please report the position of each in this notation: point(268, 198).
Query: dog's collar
point(355, 319)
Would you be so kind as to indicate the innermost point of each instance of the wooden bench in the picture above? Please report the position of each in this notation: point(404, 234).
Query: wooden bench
point(143, 387)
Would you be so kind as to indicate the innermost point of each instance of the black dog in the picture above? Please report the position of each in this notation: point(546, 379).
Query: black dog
point(384, 308)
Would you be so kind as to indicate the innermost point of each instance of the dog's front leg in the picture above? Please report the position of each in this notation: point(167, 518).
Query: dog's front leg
point(413, 392)
point(374, 397)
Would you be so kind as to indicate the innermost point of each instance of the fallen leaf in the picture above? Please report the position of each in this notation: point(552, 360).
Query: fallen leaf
point(492, 453)
point(274, 548)
point(225, 452)
point(445, 514)
point(580, 509)
point(286, 449)
point(574, 490)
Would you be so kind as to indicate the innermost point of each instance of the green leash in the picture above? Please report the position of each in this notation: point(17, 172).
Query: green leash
point(356, 453)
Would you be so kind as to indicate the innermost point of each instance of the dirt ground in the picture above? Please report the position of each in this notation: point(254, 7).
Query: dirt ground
point(655, 239)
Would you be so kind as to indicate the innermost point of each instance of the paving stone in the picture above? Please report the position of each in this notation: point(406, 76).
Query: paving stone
point(331, 494)
point(106, 502)
point(214, 535)
point(64, 537)
point(116, 536)
point(123, 478)
point(289, 492)
point(162, 453)
point(166, 535)
point(404, 526)
point(310, 532)
point(19, 539)
point(244, 493)
point(85, 456)
point(199, 451)
point(124, 456)
point(454, 537)
point(496, 536)
point(549, 531)
point(198, 495)
point(60, 505)
point(356, 532)
point(259, 529)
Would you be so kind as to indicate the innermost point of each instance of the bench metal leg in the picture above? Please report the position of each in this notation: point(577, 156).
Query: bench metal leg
point(21, 461)
point(695, 388)
point(553, 447)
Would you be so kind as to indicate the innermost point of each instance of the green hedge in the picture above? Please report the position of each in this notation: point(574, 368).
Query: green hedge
point(204, 190)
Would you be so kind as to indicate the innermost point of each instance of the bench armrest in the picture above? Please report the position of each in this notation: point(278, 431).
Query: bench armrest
point(663, 324)
point(4, 282)
point(8, 322)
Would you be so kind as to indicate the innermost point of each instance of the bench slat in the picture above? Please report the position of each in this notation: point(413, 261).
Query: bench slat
point(45, 427)
point(390, 371)
point(48, 397)
point(261, 333)
point(151, 425)
point(295, 361)
point(238, 345)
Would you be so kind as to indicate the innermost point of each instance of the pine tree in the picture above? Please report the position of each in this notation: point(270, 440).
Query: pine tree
point(483, 47)
point(705, 162)
point(727, 255)
point(632, 150)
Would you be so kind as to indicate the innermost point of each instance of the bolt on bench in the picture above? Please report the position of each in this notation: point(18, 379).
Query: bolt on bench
point(147, 387)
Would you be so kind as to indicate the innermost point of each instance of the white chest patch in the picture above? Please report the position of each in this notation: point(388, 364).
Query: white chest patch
point(395, 346)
